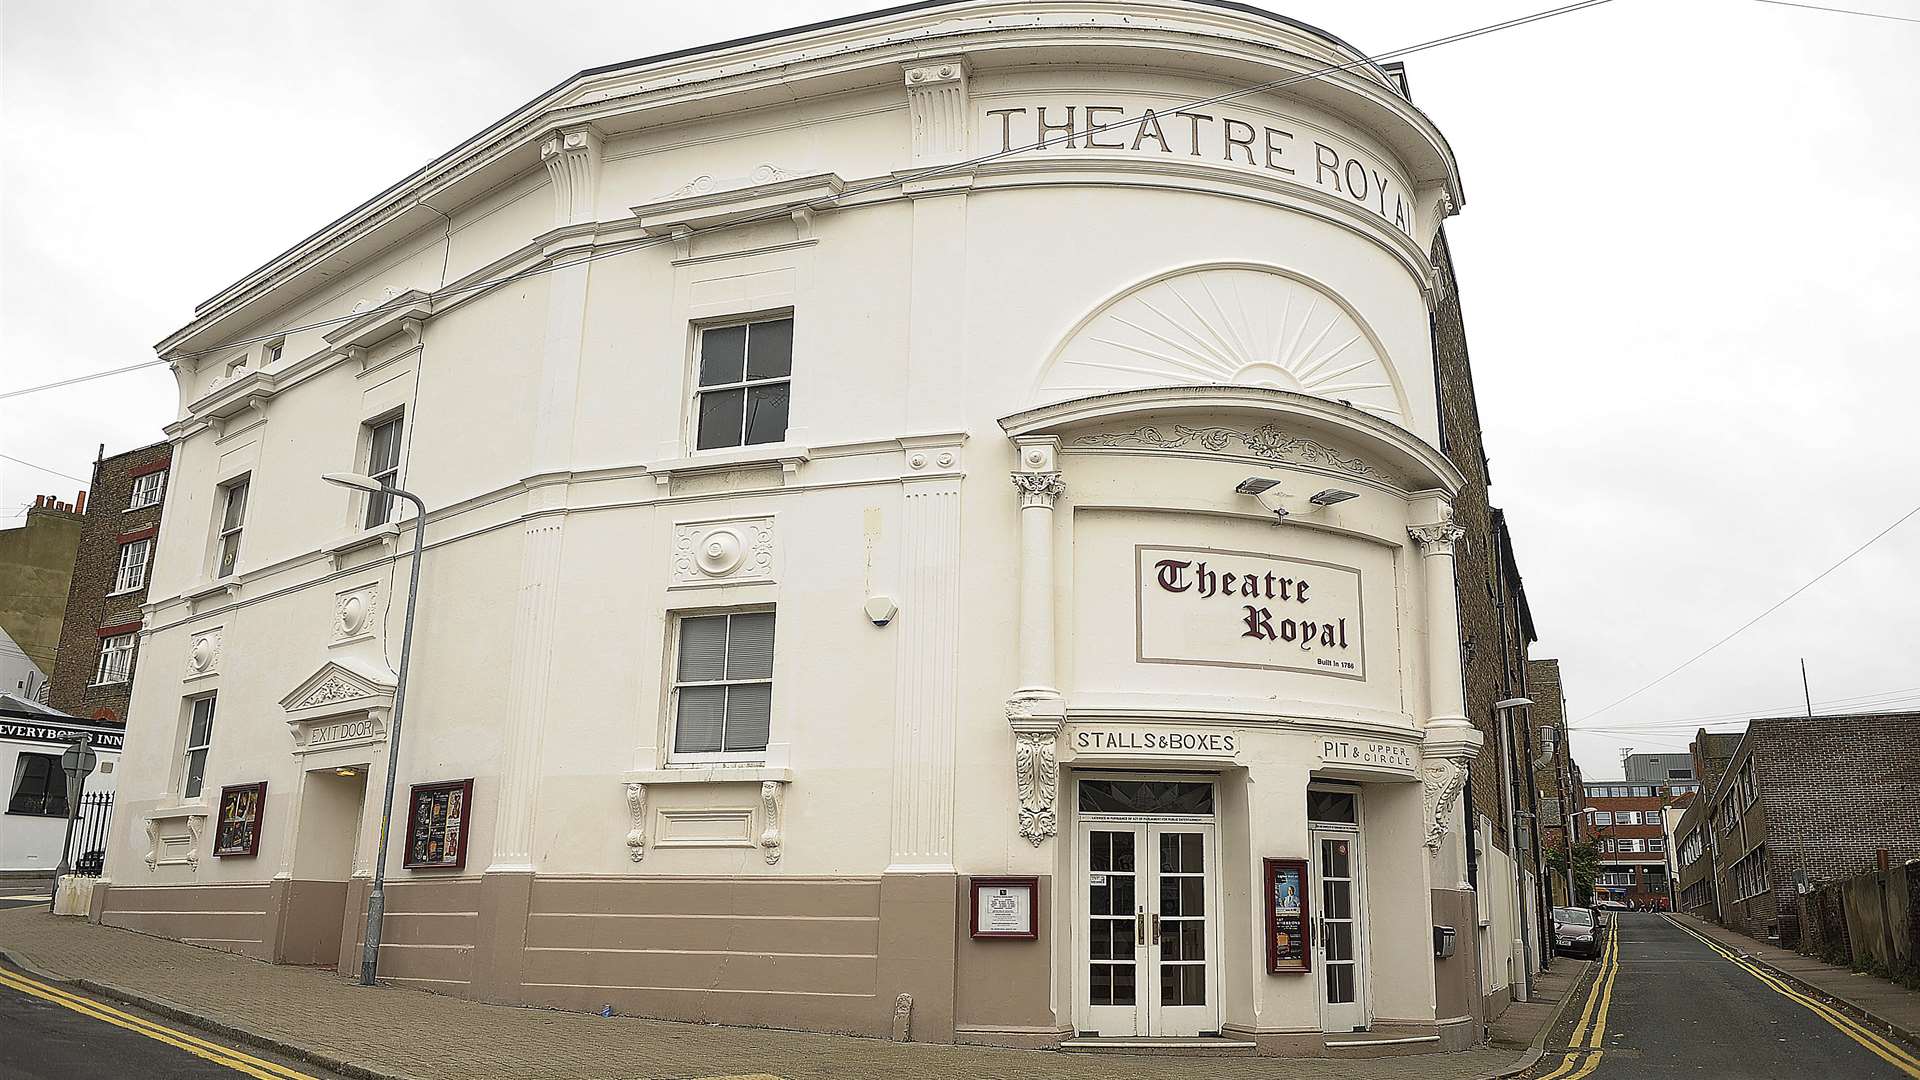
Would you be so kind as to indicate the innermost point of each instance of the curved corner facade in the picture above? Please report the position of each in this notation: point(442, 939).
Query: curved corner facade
point(879, 576)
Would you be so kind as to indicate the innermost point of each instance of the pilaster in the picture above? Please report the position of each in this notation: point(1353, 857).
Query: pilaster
point(937, 103)
point(1035, 711)
point(1452, 742)
point(572, 157)
point(926, 693)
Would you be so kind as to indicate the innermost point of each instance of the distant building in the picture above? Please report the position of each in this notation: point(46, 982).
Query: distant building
point(1800, 800)
point(36, 567)
point(1674, 770)
point(93, 673)
point(1627, 822)
point(1556, 775)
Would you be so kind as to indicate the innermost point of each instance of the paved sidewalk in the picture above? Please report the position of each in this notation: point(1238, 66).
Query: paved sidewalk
point(390, 1033)
point(1894, 1007)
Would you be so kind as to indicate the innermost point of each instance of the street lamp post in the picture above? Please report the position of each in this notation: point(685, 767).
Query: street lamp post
point(377, 902)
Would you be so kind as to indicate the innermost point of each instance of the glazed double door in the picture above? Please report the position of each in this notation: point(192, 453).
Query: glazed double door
point(1149, 929)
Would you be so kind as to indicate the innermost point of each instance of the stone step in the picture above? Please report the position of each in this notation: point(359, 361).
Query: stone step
point(1200, 1046)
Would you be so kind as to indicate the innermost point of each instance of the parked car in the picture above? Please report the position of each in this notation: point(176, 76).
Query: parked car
point(1577, 932)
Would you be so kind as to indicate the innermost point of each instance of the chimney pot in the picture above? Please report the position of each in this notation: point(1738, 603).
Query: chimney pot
point(39, 502)
point(80, 503)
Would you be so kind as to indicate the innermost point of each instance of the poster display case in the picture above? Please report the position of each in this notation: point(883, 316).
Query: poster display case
point(1289, 947)
point(237, 831)
point(437, 825)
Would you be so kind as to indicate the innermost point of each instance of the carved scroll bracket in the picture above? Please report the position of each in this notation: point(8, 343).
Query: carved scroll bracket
point(637, 814)
point(1441, 780)
point(772, 802)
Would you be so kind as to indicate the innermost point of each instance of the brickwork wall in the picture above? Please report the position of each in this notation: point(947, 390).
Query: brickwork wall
point(1835, 790)
point(89, 607)
point(1493, 653)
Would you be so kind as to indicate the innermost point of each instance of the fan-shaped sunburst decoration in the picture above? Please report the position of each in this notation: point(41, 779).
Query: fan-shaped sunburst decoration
point(1233, 325)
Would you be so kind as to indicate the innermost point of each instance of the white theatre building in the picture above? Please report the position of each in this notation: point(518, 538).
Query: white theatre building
point(746, 686)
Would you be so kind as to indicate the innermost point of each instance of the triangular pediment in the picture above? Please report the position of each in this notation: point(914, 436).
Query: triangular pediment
point(340, 687)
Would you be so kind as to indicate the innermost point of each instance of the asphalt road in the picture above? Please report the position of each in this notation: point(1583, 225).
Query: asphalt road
point(42, 1039)
point(1677, 1008)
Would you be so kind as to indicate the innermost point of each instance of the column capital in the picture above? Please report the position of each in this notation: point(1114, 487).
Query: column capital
point(1039, 488)
point(572, 158)
point(1437, 538)
point(937, 102)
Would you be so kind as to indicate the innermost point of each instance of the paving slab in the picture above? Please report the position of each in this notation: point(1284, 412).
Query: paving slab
point(385, 1033)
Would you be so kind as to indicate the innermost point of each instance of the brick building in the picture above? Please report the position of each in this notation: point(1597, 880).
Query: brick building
point(1801, 800)
point(93, 672)
point(1556, 776)
point(1496, 628)
point(1627, 821)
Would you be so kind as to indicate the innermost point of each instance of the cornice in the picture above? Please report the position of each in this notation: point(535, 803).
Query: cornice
point(863, 50)
point(1404, 451)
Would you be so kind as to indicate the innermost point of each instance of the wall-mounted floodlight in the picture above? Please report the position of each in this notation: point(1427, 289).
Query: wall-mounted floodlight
point(1266, 491)
point(1331, 496)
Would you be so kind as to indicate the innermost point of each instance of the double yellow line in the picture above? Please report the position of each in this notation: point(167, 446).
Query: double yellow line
point(198, 1047)
point(1882, 1048)
point(1576, 1065)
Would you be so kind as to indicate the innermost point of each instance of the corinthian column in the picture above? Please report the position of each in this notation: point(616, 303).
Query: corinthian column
point(1035, 710)
point(1452, 742)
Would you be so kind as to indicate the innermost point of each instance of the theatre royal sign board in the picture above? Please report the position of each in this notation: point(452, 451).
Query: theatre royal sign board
point(1247, 609)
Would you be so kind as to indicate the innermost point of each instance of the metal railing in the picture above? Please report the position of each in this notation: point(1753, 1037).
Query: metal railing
point(89, 852)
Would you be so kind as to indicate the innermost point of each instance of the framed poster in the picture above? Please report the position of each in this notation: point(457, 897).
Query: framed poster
point(1003, 907)
point(238, 829)
point(1287, 936)
point(437, 825)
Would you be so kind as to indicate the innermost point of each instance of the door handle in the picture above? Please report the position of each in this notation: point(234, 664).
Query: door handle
point(1140, 927)
point(1156, 929)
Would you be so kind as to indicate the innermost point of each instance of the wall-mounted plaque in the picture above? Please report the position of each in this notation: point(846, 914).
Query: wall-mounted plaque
point(1287, 944)
point(238, 829)
point(1003, 907)
point(438, 816)
point(1248, 609)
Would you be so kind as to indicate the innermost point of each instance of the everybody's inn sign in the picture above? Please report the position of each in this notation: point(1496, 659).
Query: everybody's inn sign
point(1245, 609)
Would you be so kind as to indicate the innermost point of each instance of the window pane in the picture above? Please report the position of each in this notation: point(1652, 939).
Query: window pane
point(196, 772)
point(770, 349)
point(383, 452)
point(1332, 806)
point(720, 412)
point(1145, 797)
point(767, 413)
point(702, 713)
point(750, 646)
point(1123, 984)
point(379, 509)
point(723, 353)
point(236, 506)
point(201, 730)
point(749, 714)
point(703, 648)
point(229, 553)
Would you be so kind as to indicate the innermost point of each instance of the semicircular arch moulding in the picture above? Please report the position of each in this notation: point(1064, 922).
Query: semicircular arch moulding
point(1230, 324)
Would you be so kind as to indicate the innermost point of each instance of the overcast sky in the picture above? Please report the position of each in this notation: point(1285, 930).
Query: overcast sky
point(1687, 258)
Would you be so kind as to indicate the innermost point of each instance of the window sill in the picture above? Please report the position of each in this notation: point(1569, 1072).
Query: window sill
point(211, 590)
point(142, 506)
point(126, 592)
point(110, 682)
point(789, 456)
point(384, 536)
point(707, 773)
point(34, 813)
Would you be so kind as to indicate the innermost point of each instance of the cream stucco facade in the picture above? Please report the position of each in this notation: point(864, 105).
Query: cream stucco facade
point(1129, 322)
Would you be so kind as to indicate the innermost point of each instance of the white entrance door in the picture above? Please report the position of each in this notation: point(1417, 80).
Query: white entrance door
point(1339, 946)
point(1149, 935)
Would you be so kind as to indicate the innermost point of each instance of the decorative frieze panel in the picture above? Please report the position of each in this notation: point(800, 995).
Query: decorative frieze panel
point(173, 837)
point(203, 652)
point(1265, 443)
point(723, 552)
point(356, 614)
point(1441, 780)
point(1036, 773)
